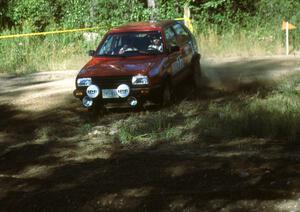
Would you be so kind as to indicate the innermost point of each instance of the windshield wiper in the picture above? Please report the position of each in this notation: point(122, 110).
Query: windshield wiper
point(130, 53)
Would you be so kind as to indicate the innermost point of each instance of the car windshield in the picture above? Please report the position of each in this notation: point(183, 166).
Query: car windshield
point(131, 44)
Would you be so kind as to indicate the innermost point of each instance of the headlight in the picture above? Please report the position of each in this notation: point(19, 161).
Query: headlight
point(81, 82)
point(140, 80)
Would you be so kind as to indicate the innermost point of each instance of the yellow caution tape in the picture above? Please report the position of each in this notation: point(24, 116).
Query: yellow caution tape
point(179, 19)
point(48, 33)
point(187, 21)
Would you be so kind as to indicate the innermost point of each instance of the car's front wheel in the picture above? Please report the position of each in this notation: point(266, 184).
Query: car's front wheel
point(96, 110)
point(167, 95)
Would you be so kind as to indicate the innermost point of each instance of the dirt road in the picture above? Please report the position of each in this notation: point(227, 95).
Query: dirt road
point(53, 157)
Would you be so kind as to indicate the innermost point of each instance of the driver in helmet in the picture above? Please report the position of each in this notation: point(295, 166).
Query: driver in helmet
point(128, 45)
point(156, 44)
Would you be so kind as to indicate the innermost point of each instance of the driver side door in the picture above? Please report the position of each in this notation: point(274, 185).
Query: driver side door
point(175, 62)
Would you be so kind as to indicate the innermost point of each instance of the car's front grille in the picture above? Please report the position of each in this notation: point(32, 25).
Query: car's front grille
point(111, 82)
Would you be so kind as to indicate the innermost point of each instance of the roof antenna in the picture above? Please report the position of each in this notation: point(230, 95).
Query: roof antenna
point(151, 5)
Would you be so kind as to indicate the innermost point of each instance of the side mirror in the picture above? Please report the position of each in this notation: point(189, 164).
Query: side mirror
point(174, 49)
point(91, 53)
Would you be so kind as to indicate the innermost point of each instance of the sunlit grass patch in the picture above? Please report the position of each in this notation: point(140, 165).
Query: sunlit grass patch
point(239, 42)
point(276, 115)
point(150, 128)
point(43, 53)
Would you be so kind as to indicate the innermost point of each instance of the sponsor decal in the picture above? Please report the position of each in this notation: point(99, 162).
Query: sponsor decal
point(177, 65)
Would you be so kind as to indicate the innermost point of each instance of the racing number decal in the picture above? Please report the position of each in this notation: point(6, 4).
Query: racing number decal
point(177, 65)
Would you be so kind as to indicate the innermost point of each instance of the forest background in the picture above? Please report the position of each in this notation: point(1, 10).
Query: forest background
point(223, 28)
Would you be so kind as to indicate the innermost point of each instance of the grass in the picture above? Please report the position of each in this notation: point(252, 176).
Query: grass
point(85, 128)
point(276, 115)
point(149, 128)
point(52, 52)
point(239, 42)
point(270, 114)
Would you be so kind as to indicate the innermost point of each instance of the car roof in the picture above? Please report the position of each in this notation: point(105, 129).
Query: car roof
point(142, 26)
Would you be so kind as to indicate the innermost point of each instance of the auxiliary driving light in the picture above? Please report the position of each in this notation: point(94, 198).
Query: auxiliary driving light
point(93, 91)
point(123, 90)
point(132, 101)
point(87, 102)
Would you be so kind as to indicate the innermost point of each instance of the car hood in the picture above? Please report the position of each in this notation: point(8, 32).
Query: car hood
point(106, 67)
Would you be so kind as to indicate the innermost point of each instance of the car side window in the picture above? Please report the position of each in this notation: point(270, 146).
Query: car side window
point(170, 37)
point(107, 45)
point(182, 34)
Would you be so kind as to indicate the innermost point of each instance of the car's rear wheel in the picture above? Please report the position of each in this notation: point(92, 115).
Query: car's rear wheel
point(167, 95)
point(197, 74)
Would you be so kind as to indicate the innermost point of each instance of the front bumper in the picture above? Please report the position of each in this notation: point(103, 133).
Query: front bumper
point(142, 94)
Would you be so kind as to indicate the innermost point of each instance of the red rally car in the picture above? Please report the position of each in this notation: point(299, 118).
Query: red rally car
point(136, 63)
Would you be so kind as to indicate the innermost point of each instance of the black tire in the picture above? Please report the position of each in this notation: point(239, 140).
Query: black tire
point(197, 74)
point(139, 107)
point(97, 110)
point(167, 95)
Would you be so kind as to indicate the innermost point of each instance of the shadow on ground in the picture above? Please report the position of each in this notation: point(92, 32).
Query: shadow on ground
point(166, 179)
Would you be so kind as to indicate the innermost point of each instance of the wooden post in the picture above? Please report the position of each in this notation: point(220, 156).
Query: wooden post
point(287, 38)
point(151, 5)
point(187, 18)
point(187, 15)
point(286, 26)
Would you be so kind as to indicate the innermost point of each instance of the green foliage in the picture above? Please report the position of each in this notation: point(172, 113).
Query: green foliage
point(278, 10)
point(4, 20)
point(38, 13)
point(117, 12)
point(78, 13)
